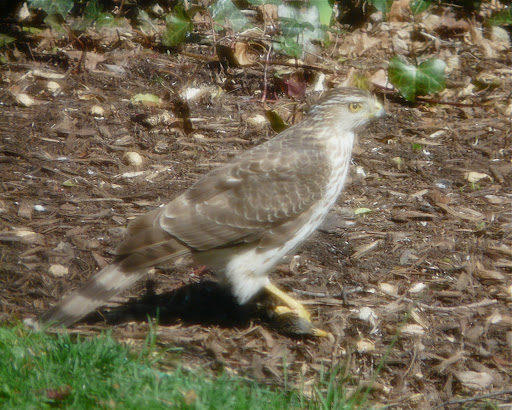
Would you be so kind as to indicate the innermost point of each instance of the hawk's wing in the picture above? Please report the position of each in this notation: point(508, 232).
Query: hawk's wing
point(261, 189)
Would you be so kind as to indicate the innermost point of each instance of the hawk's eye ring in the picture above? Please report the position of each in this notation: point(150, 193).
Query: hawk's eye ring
point(355, 107)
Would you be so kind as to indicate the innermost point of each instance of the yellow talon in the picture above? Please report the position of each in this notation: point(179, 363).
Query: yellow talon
point(293, 318)
point(293, 304)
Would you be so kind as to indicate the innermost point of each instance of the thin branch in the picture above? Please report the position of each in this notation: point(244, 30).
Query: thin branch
point(471, 306)
point(475, 398)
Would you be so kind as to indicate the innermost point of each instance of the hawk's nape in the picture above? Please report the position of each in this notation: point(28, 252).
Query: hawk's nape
point(242, 218)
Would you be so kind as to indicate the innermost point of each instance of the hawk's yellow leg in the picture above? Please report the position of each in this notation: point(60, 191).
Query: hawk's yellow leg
point(294, 306)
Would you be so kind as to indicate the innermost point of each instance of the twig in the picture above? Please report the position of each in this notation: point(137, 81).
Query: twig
point(202, 57)
point(265, 69)
point(385, 90)
point(317, 294)
point(268, 62)
point(454, 103)
point(481, 397)
point(471, 306)
point(302, 65)
point(339, 295)
point(414, 357)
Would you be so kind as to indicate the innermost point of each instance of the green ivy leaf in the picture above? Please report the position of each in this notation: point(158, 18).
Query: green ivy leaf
point(62, 7)
point(287, 46)
point(178, 25)
point(275, 120)
point(93, 14)
point(325, 8)
point(5, 39)
point(412, 81)
point(92, 10)
point(53, 21)
point(225, 12)
point(108, 20)
point(31, 30)
point(292, 27)
point(418, 6)
point(381, 5)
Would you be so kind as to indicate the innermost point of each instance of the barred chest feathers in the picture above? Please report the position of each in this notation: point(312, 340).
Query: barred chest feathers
point(340, 150)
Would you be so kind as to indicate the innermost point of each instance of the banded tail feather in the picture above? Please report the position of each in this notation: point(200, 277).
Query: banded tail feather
point(141, 251)
point(107, 283)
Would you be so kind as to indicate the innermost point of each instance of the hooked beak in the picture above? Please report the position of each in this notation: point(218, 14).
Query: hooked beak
point(379, 111)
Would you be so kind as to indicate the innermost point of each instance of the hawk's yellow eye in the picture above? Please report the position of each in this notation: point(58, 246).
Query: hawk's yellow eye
point(355, 107)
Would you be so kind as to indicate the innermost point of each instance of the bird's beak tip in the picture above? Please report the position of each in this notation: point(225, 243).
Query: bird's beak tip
point(380, 112)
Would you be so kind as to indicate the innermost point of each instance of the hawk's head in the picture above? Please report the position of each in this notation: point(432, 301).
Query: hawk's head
point(347, 108)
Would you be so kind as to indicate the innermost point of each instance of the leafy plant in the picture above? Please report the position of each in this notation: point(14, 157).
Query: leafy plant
point(61, 7)
point(325, 10)
point(412, 81)
point(301, 24)
point(224, 11)
point(287, 46)
point(5, 39)
point(292, 27)
point(417, 147)
point(93, 14)
point(178, 26)
point(381, 5)
point(418, 6)
point(90, 13)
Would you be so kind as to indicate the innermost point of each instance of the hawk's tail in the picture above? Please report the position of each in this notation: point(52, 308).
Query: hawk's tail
point(107, 283)
point(144, 249)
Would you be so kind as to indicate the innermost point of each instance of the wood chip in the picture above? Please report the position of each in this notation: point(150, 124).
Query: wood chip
point(26, 209)
point(366, 248)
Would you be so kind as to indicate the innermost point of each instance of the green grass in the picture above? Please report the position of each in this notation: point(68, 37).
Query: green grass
point(44, 371)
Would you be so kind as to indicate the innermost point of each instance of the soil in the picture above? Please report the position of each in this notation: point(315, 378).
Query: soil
point(412, 271)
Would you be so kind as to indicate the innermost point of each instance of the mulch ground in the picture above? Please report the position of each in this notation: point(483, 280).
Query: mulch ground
point(411, 270)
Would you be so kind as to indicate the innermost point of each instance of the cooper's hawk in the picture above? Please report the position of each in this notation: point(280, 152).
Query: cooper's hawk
point(242, 218)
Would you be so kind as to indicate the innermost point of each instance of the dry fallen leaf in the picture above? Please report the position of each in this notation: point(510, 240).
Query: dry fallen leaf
point(412, 330)
point(367, 314)
point(133, 158)
point(58, 270)
point(257, 120)
point(25, 100)
point(417, 288)
point(30, 237)
point(365, 345)
point(388, 288)
point(474, 177)
point(475, 380)
point(244, 55)
point(97, 111)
